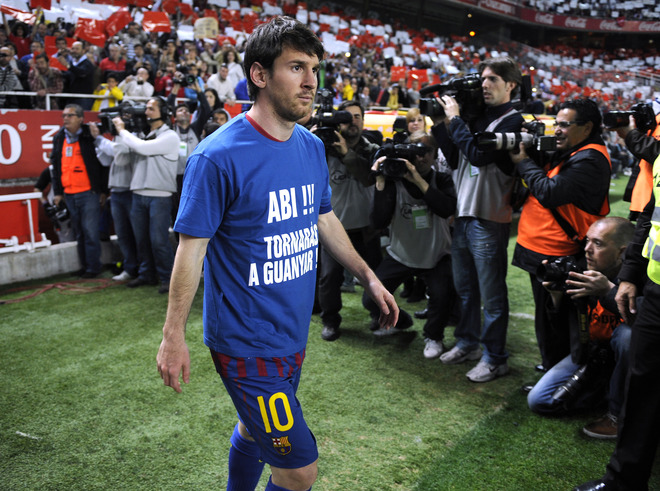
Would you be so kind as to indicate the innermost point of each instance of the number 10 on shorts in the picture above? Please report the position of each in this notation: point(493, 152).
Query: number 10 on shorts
point(272, 410)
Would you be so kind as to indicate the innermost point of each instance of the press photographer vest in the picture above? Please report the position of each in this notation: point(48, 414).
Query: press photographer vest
point(644, 183)
point(651, 250)
point(539, 231)
point(74, 171)
point(601, 323)
point(418, 238)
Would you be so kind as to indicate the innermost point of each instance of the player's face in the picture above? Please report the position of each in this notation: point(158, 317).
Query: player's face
point(601, 252)
point(496, 91)
point(291, 85)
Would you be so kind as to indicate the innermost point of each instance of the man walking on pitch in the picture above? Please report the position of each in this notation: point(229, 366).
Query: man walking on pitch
point(255, 203)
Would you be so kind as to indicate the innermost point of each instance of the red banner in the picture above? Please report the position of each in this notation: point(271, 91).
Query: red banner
point(44, 4)
point(117, 21)
point(91, 30)
point(20, 15)
point(156, 22)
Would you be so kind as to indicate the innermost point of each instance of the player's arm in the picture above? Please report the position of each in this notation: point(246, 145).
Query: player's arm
point(173, 358)
point(333, 237)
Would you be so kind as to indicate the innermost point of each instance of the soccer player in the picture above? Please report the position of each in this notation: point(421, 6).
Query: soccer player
point(255, 203)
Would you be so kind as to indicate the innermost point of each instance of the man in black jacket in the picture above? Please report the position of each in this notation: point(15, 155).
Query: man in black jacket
point(566, 197)
point(79, 74)
point(81, 180)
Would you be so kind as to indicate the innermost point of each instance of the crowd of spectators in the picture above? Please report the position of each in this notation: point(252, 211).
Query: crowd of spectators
point(136, 63)
point(608, 9)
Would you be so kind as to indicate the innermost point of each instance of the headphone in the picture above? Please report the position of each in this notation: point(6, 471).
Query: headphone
point(165, 113)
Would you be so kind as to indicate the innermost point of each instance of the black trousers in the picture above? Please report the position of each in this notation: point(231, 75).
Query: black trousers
point(552, 332)
point(440, 284)
point(367, 244)
point(639, 423)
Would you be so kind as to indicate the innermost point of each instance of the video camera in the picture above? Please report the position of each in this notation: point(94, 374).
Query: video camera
point(466, 90)
point(187, 78)
point(327, 119)
point(557, 271)
point(642, 112)
point(135, 119)
point(510, 141)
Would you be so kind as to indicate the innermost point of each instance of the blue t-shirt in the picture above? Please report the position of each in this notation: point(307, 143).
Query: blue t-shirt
point(258, 200)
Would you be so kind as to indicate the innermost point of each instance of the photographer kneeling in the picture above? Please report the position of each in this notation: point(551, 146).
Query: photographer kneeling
point(416, 202)
point(571, 384)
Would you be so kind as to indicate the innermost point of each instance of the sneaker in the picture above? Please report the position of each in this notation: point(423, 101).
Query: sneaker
point(457, 355)
point(330, 333)
point(433, 348)
point(123, 276)
point(164, 288)
point(605, 428)
point(405, 321)
point(485, 372)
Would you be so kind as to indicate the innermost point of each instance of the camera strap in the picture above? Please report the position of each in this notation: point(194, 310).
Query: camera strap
point(565, 226)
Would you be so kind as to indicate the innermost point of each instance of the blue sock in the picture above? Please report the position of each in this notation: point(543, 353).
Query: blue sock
point(274, 487)
point(244, 465)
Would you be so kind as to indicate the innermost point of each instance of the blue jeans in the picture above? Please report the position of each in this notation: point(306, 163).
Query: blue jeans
point(151, 218)
point(479, 263)
point(540, 397)
point(85, 211)
point(120, 206)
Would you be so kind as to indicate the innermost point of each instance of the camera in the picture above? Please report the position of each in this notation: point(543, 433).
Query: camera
point(327, 120)
point(594, 374)
point(187, 78)
point(394, 167)
point(510, 141)
point(643, 114)
point(134, 116)
point(57, 214)
point(557, 271)
point(467, 92)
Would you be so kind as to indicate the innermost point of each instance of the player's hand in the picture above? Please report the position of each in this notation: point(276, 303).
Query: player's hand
point(389, 310)
point(173, 361)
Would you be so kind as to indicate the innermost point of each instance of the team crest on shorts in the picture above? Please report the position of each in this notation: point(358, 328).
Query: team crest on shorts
point(282, 445)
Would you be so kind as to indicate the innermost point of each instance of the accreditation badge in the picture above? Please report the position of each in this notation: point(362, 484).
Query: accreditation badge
point(421, 218)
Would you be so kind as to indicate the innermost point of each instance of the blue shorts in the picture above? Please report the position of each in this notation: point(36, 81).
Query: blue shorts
point(264, 393)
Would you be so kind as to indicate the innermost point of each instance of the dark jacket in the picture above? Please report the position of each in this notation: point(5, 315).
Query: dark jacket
point(460, 137)
point(634, 265)
point(440, 198)
point(98, 175)
point(643, 146)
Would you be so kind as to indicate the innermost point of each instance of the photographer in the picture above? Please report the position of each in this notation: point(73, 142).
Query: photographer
point(137, 85)
point(117, 156)
point(484, 180)
point(566, 197)
point(416, 207)
point(82, 182)
point(189, 132)
point(153, 184)
point(572, 385)
point(644, 145)
point(349, 163)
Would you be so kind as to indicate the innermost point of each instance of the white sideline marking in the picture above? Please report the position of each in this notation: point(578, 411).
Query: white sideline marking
point(20, 433)
point(522, 315)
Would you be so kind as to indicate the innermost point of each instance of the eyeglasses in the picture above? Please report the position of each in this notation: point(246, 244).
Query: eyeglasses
point(567, 124)
point(3, 55)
